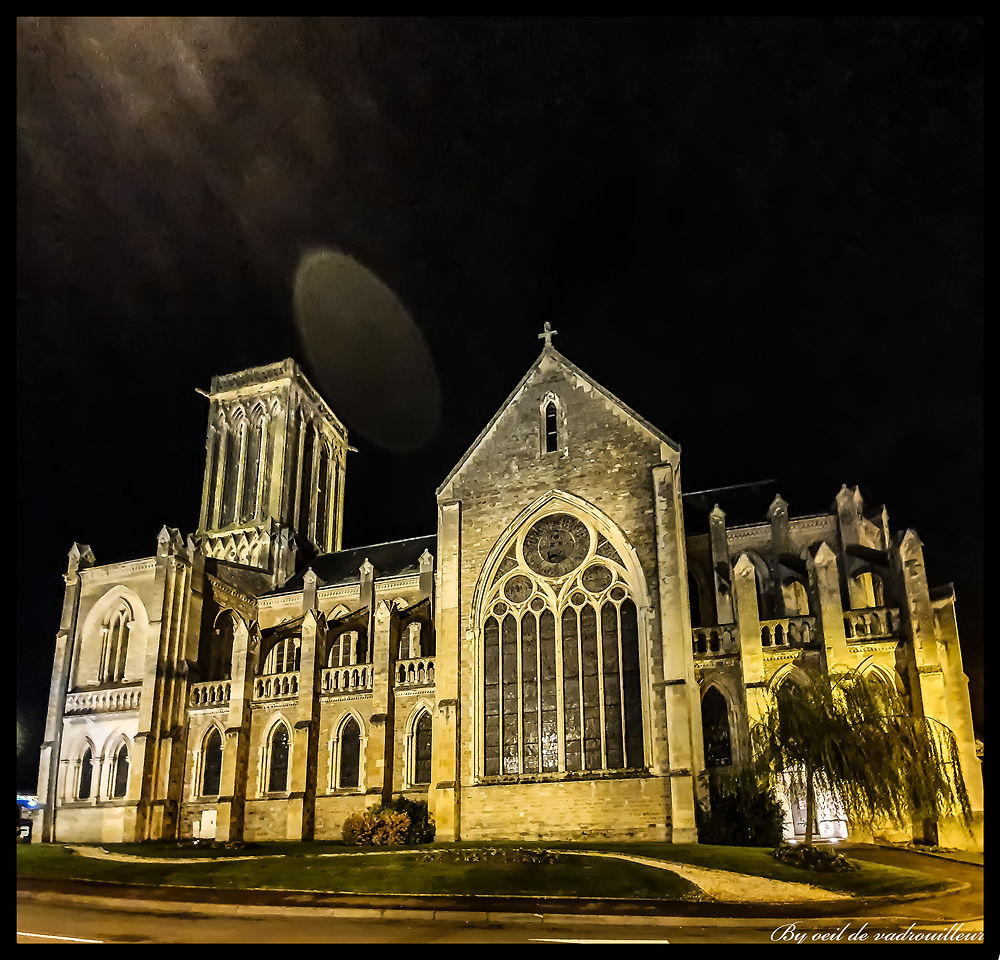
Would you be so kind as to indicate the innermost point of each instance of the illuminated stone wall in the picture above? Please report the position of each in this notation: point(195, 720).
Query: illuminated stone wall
point(154, 653)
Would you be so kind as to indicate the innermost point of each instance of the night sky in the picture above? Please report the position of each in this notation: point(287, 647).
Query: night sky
point(765, 236)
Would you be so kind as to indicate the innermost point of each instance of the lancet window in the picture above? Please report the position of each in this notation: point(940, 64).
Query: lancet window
point(422, 749)
point(551, 427)
point(212, 764)
point(277, 768)
point(350, 755)
point(114, 648)
point(86, 774)
point(119, 776)
point(561, 657)
point(715, 729)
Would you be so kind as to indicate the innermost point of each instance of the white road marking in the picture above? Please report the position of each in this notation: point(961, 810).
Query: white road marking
point(50, 936)
point(555, 940)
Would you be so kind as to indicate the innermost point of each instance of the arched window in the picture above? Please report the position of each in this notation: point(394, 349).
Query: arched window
point(409, 642)
point(220, 655)
point(306, 485)
point(551, 427)
point(422, 750)
point(323, 495)
point(344, 650)
point(230, 484)
point(283, 657)
point(114, 651)
point(795, 598)
point(715, 729)
point(277, 777)
point(218, 452)
point(86, 774)
point(576, 652)
point(212, 764)
point(252, 466)
point(350, 755)
point(120, 784)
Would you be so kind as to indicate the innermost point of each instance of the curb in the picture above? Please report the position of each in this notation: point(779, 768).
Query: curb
point(472, 909)
point(936, 856)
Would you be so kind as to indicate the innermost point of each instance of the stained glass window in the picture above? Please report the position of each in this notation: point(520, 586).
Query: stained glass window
point(584, 659)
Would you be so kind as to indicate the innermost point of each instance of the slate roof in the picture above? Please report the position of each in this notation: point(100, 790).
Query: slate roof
point(397, 557)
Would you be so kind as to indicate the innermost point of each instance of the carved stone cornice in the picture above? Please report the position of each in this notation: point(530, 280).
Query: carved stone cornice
point(115, 571)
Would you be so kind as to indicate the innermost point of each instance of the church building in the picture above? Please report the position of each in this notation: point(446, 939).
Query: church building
point(561, 659)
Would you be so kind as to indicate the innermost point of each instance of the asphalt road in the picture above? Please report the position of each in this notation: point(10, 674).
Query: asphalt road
point(39, 922)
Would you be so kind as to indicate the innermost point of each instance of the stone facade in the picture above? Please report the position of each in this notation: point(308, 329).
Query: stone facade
point(565, 667)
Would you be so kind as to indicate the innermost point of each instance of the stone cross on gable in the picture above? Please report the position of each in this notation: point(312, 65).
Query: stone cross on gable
point(547, 334)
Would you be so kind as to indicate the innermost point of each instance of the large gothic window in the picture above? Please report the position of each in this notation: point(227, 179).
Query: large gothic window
point(114, 650)
point(277, 777)
point(560, 656)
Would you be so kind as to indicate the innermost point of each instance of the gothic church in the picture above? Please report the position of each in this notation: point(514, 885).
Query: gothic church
point(560, 661)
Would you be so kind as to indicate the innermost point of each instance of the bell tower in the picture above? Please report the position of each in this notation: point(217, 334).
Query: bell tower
point(274, 469)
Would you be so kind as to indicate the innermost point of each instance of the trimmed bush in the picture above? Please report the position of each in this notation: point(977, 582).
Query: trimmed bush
point(400, 821)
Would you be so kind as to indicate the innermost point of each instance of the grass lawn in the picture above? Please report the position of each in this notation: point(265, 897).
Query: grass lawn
point(292, 865)
point(395, 873)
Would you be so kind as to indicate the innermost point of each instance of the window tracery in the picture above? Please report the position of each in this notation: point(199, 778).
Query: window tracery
point(560, 658)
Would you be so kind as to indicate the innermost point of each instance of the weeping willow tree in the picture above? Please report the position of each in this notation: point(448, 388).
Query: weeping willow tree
point(856, 740)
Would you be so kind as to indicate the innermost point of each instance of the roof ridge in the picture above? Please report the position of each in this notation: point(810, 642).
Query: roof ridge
point(383, 543)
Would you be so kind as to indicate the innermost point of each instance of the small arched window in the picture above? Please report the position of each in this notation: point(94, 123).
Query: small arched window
point(551, 427)
point(278, 768)
point(86, 774)
point(422, 750)
point(715, 730)
point(120, 787)
point(212, 776)
point(350, 755)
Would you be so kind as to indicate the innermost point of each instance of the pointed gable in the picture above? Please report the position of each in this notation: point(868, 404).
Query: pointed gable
point(552, 365)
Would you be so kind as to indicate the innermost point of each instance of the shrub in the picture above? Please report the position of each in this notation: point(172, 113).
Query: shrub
point(821, 859)
point(397, 822)
point(389, 828)
point(357, 828)
point(743, 809)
